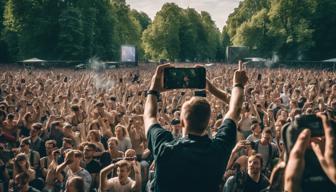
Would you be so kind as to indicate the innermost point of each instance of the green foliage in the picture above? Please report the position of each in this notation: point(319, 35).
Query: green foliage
point(324, 24)
point(3, 46)
point(80, 29)
point(70, 41)
point(161, 39)
point(182, 34)
point(70, 29)
point(293, 29)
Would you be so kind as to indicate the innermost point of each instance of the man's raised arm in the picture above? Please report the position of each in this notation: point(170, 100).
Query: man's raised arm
point(239, 80)
point(150, 110)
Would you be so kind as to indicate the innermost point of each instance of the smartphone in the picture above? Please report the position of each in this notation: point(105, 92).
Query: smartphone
point(200, 93)
point(184, 78)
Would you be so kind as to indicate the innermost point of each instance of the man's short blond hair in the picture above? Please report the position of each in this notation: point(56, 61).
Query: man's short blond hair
point(196, 112)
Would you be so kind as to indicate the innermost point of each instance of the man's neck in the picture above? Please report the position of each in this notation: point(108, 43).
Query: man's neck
point(186, 132)
point(75, 169)
point(254, 177)
point(26, 151)
point(33, 138)
point(263, 142)
point(88, 159)
point(123, 181)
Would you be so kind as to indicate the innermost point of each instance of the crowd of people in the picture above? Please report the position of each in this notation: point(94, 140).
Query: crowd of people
point(65, 130)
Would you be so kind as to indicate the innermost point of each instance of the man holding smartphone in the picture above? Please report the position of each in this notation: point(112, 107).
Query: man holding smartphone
point(193, 162)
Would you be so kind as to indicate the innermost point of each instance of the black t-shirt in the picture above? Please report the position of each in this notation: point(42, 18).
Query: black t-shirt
point(105, 159)
point(103, 140)
point(93, 167)
point(24, 131)
point(195, 163)
point(252, 186)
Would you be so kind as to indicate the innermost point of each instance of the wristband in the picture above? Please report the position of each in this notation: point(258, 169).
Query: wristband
point(238, 85)
point(153, 92)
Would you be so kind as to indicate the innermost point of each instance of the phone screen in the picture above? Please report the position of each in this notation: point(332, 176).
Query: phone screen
point(200, 93)
point(182, 78)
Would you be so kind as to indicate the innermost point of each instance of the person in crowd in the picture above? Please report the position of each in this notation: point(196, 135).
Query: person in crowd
point(94, 137)
point(45, 161)
point(268, 151)
point(72, 162)
point(77, 116)
point(124, 141)
point(36, 143)
point(33, 156)
point(21, 164)
point(195, 149)
point(122, 182)
point(238, 159)
point(254, 180)
point(137, 136)
point(112, 154)
point(21, 183)
point(256, 132)
point(52, 181)
point(75, 184)
point(10, 125)
point(92, 165)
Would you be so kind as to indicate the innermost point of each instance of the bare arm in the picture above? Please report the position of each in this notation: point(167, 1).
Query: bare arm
point(150, 111)
point(222, 95)
point(236, 100)
point(137, 184)
point(103, 181)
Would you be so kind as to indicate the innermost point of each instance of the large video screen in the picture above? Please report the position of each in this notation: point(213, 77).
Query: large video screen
point(128, 53)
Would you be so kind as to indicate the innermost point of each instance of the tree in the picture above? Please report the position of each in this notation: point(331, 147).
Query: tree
point(142, 18)
point(255, 34)
point(3, 46)
point(324, 24)
point(190, 24)
point(71, 34)
point(225, 42)
point(212, 44)
point(161, 39)
point(291, 24)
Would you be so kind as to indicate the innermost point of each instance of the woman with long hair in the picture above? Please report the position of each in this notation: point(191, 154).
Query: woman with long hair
point(21, 164)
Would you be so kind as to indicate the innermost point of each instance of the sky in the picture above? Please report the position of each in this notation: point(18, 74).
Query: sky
point(218, 9)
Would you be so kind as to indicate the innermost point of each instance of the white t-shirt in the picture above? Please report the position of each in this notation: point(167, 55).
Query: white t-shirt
point(124, 144)
point(116, 186)
point(285, 99)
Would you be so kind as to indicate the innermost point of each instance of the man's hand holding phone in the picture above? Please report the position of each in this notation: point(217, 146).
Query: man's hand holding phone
point(157, 80)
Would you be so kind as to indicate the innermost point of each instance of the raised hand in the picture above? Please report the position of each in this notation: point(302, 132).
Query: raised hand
point(296, 162)
point(240, 77)
point(157, 80)
point(325, 149)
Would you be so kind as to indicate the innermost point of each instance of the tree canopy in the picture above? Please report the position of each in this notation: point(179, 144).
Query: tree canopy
point(69, 29)
point(292, 29)
point(81, 29)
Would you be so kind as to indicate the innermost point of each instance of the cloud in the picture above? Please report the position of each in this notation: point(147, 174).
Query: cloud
point(218, 9)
